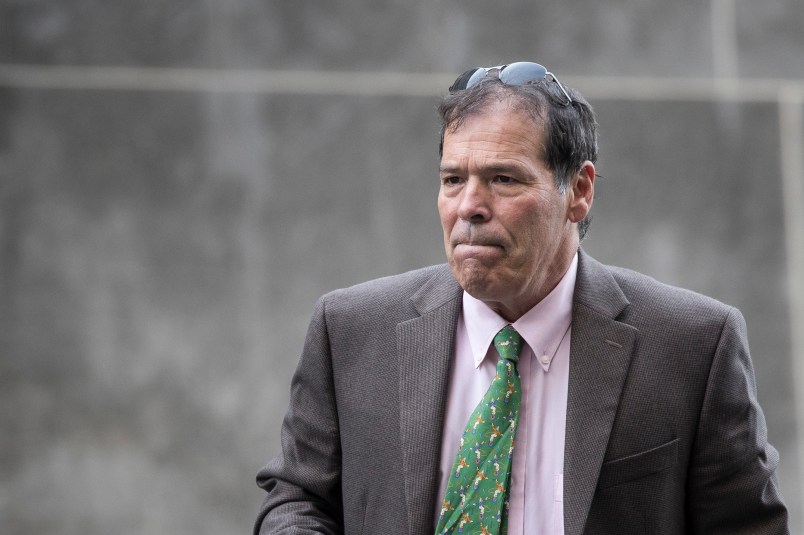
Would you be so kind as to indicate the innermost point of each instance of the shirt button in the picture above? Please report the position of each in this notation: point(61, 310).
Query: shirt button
point(545, 360)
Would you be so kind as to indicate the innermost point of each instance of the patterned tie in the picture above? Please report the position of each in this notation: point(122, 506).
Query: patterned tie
point(476, 498)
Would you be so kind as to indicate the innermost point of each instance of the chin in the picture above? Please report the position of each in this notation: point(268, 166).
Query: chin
point(476, 280)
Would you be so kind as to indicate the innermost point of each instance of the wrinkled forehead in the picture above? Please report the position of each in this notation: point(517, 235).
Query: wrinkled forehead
point(497, 129)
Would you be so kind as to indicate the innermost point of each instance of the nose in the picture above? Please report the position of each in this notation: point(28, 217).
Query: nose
point(475, 202)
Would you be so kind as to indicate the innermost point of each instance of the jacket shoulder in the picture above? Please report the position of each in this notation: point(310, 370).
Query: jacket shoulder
point(638, 286)
point(661, 307)
point(406, 290)
point(615, 290)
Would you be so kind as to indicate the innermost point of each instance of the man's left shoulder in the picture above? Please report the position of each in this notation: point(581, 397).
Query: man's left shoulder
point(650, 298)
point(640, 285)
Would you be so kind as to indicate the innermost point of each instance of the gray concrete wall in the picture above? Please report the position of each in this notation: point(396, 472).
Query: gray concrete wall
point(180, 180)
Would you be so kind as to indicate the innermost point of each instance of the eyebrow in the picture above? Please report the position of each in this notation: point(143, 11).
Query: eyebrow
point(494, 168)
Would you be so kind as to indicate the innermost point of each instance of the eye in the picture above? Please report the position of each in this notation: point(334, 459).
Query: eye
point(451, 180)
point(503, 179)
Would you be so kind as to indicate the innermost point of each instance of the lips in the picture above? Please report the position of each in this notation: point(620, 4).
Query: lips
point(484, 251)
point(477, 241)
point(477, 244)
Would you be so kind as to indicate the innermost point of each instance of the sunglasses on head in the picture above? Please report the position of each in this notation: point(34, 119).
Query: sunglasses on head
point(519, 73)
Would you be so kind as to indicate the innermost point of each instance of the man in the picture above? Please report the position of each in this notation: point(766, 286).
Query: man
point(607, 403)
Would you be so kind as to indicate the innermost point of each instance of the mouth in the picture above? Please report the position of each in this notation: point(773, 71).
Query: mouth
point(483, 252)
point(477, 244)
point(477, 241)
point(472, 242)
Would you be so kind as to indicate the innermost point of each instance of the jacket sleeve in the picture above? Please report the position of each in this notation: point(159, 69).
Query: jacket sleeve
point(303, 483)
point(732, 480)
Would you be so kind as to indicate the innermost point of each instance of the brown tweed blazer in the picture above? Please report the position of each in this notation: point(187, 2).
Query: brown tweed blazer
point(664, 434)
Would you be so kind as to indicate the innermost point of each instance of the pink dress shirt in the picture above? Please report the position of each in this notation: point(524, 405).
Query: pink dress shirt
point(536, 503)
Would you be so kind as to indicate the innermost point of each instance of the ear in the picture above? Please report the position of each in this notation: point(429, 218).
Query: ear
point(581, 192)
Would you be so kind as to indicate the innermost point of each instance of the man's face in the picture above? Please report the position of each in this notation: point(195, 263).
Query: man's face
point(509, 233)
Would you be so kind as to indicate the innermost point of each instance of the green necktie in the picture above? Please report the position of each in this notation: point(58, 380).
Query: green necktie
point(476, 498)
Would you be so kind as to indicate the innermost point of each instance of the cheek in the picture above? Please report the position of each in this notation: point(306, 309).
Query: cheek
point(445, 214)
point(529, 226)
point(534, 232)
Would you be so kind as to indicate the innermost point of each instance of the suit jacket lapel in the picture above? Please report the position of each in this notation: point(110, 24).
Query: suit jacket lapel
point(600, 354)
point(425, 345)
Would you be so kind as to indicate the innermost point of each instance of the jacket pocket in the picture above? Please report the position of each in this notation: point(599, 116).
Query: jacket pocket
point(638, 465)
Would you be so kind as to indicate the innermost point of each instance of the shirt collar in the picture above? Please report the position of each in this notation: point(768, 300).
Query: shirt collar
point(542, 327)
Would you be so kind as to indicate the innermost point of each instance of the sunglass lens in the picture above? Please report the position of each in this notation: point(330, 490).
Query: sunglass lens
point(462, 82)
point(522, 72)
point(468, 79)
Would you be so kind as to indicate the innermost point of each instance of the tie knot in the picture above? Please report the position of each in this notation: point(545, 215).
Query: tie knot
point(508, 343)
